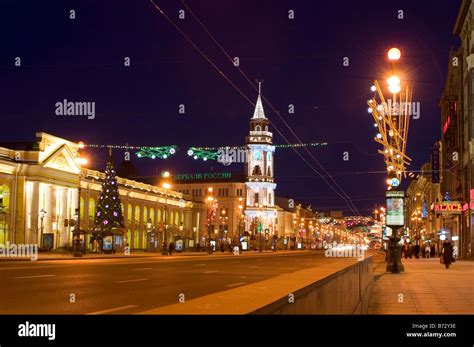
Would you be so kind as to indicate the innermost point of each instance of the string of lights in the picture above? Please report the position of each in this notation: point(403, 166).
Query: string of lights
point(204, 153)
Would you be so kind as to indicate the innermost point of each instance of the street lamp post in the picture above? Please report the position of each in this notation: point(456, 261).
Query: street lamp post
point(81, 161)
point(294, 232)
point(392, 123)
point(42, 215)
point(166, 185)
point(211, 208)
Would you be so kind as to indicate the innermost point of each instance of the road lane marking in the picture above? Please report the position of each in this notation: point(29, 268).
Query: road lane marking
point(113, 309)
point(210, 272)
point(235, 284)
point(37, 276)
point(144, 268)
point(135, 280)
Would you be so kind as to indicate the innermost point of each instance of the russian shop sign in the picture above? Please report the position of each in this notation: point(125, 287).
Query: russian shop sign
point(450, 207)
point(203, 176)
point(435, 176)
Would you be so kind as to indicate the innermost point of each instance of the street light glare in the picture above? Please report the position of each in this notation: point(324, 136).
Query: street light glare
point(81, 161)
point(394, 54)
point(393, 80)
point(394, 89)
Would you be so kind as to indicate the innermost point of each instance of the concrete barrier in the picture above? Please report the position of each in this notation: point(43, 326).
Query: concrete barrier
point(346, 291)
point(338, 286)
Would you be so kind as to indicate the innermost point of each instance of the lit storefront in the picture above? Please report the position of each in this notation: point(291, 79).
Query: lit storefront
point(449, 213)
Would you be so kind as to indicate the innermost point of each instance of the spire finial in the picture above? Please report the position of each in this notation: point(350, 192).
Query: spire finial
point(259, 86)
point(258, 113)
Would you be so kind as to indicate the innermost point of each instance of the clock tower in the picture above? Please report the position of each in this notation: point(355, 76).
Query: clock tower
point(260, 212)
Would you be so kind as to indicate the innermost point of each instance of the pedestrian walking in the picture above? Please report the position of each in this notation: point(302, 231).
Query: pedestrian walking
point(405, 250)
point(446, 254)
point(455, 253)
point(171, 247)
point(427, 251)
point(417, 251)
point(432, 250)
point(410, 250)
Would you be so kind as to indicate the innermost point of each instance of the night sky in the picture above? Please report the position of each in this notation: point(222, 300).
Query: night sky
point(299, 60)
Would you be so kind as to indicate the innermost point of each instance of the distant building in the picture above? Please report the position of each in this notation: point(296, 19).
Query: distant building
point(228, 189)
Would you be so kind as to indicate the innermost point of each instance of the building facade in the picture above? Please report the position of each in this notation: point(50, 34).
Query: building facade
point(226, 192)
point(42, 186)
point(457, 145)
point(422, 220)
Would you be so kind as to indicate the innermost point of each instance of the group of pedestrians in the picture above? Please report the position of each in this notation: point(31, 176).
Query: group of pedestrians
point(447, 255)
point(425, 251)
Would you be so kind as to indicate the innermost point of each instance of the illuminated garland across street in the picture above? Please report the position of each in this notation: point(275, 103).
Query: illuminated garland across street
point(204, 153)
point(156, 152)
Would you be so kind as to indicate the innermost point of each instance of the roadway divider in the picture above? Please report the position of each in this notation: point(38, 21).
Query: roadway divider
point(337, 286)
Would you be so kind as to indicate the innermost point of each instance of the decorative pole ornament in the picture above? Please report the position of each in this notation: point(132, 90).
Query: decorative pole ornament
point(392, 120)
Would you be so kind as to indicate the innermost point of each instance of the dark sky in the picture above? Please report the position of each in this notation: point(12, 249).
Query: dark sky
point(300, 61)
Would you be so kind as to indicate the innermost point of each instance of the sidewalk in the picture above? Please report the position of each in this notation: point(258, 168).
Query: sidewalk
point(43, 256)
point(426, 287)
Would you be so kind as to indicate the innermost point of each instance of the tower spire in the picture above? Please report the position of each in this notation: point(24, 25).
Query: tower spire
point(259, 113)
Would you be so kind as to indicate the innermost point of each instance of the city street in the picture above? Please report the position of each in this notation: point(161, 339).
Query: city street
point(132, 285)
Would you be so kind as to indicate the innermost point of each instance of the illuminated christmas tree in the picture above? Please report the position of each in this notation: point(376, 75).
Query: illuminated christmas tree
point(109, 209)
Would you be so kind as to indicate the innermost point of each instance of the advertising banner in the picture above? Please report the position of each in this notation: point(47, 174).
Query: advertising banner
point(395, 208)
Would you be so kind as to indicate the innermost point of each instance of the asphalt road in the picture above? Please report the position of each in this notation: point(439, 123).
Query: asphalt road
point(123, 286)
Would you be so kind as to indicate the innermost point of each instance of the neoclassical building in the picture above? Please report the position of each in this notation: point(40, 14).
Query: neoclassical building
point(42, 183)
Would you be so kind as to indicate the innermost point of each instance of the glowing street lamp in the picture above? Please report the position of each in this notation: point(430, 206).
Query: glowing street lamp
point(394, 54)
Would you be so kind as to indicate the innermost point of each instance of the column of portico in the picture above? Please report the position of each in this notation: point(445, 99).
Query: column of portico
point(140, 226)
point(61, 237)
point(33, 235)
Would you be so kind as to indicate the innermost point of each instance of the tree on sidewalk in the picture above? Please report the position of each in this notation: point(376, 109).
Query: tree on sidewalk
point(109, 209)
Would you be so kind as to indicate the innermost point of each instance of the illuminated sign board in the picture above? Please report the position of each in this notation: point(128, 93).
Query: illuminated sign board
point(435, 163)
point(450, 207)
point(424, 210)
point(395, 211)
point(203, 176)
